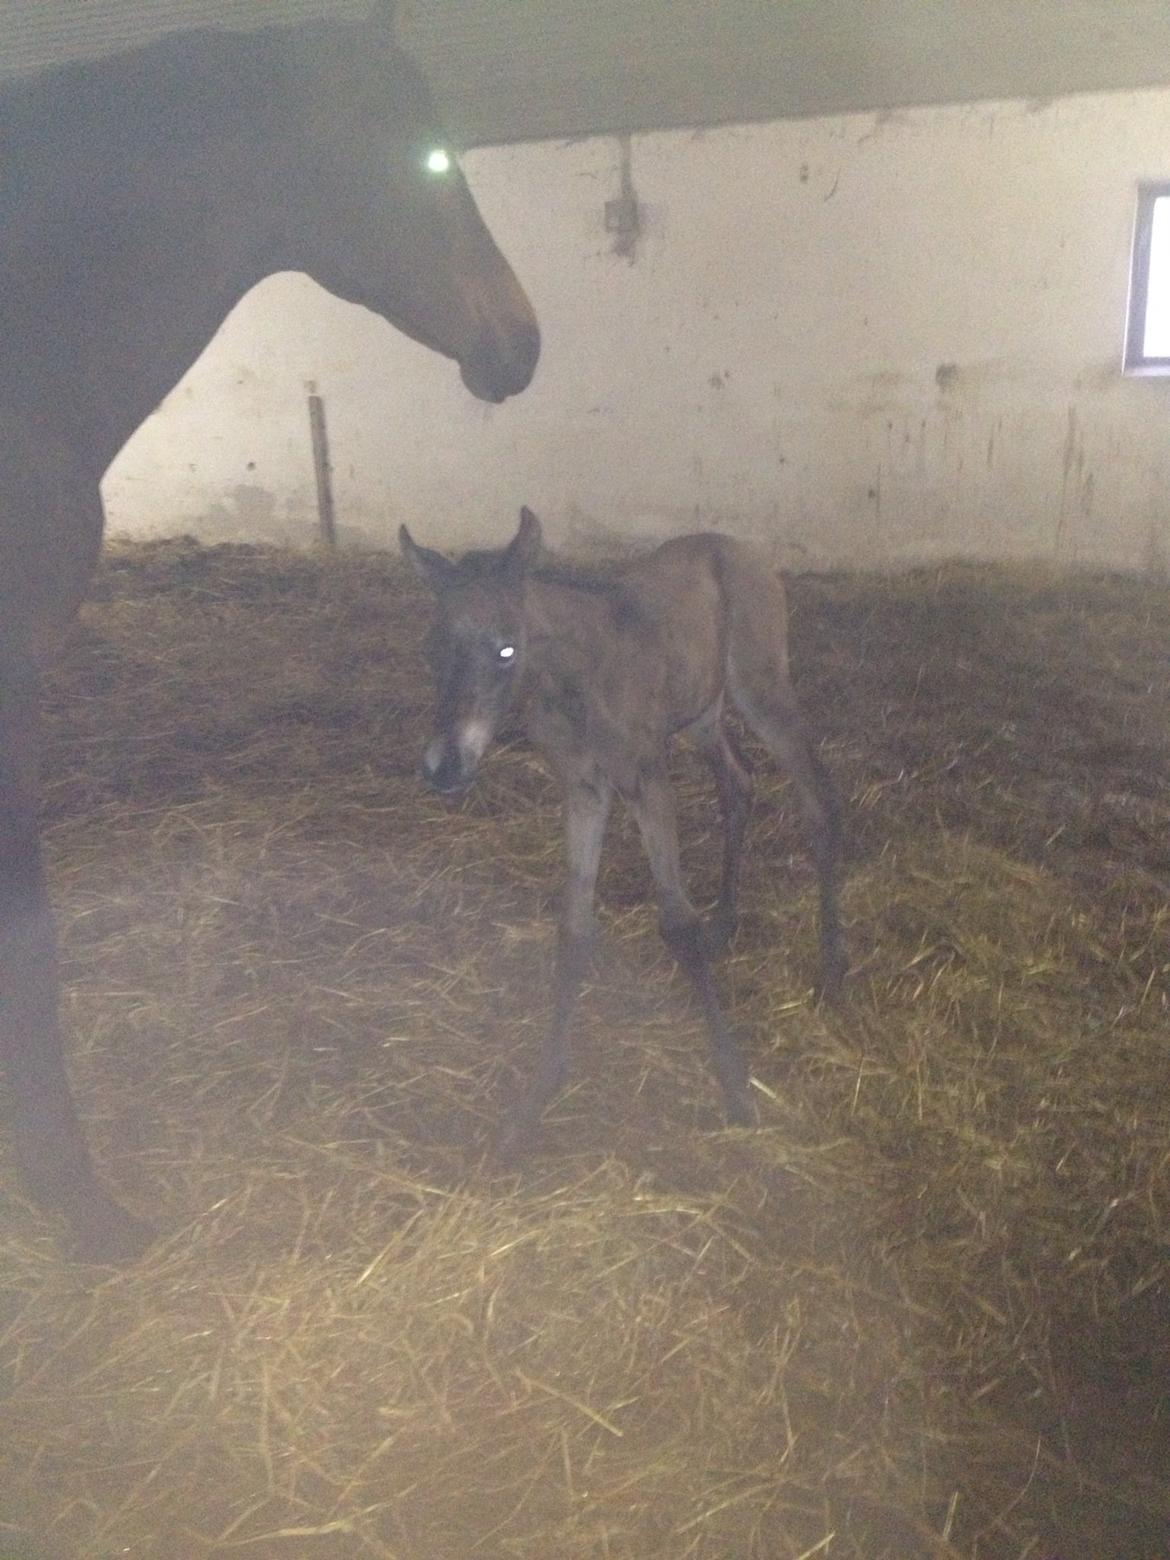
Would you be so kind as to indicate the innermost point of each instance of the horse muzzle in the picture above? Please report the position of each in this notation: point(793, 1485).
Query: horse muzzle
point(502, 363)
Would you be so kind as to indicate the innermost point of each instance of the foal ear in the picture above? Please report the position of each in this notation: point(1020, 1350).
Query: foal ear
point(431, 567)
point(520, 553)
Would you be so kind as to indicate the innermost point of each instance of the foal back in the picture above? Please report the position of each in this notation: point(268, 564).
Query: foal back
point(719, 619)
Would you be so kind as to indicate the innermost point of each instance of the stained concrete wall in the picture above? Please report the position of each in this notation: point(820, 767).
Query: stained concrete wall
point(863, 339)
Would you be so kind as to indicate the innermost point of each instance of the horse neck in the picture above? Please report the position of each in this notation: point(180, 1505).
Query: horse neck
point(118, 267)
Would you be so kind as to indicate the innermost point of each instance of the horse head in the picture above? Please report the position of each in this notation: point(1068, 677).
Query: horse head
point(376, 208)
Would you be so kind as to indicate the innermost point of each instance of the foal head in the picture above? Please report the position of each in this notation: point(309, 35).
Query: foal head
point(476, 648)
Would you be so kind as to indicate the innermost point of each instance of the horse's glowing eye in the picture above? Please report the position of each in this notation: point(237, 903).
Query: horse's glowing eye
point(507, 652)
point(439, 160)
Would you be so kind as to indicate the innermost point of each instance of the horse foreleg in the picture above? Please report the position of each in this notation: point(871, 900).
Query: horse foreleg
point(587, 805)
point(683, 932)
point(50, 1147)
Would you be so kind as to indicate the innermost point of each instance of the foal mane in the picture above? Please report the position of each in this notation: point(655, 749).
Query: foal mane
point(571, 577)
point(482, 562)
point(601, 584)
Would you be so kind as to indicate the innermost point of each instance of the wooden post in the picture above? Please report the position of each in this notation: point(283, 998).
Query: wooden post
point(325, 512)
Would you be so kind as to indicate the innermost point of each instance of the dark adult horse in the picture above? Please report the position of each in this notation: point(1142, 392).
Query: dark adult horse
point(141, 198)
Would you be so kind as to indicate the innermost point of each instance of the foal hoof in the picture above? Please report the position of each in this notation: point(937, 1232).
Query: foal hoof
point(741, 1108)
point(831, 985)
point(109, 1236)
point(513, 1141)
point(718, 933)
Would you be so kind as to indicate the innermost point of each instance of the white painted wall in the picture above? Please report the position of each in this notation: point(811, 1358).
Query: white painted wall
point(866, 340)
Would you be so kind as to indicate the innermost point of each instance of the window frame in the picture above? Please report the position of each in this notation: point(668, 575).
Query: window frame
point(1136, 362)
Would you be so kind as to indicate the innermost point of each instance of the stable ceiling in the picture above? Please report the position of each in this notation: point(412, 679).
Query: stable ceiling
point(507, 70)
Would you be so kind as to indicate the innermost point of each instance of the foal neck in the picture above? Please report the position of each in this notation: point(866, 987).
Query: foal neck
point(570, 608)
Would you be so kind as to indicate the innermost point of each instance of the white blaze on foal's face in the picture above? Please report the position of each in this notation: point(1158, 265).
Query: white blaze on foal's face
point(472, 739)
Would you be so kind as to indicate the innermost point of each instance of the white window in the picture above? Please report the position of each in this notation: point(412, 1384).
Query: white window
point(1147, 337)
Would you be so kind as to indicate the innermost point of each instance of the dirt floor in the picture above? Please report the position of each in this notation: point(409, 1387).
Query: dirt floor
point(923, 1310)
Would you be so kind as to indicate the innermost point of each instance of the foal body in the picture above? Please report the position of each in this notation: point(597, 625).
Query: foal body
point(606, 672)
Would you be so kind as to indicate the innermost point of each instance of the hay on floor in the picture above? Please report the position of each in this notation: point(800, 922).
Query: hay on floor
point(923, 1311)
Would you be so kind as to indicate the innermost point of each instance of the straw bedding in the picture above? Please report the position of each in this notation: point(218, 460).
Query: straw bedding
point(924, 1310)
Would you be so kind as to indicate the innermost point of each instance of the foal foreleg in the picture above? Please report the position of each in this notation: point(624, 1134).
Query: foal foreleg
point(587, 805)
point(684, 934)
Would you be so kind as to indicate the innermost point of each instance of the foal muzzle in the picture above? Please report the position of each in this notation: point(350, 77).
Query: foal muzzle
point(450, 762)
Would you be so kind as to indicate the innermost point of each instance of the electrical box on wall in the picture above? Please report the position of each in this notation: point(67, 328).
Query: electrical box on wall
point(623, 220)
point(623, 214)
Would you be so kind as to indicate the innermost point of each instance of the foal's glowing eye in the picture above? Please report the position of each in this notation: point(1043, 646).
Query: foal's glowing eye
point(506, 653)
point(438, 160)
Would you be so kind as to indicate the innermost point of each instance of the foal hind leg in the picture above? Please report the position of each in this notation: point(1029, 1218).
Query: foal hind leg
point(773, 715)
point(50, 1147)
point(682, 930)
point(587, 806)
point(733, 784)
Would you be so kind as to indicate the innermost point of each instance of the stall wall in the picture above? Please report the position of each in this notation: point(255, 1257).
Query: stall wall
point(865, 340)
